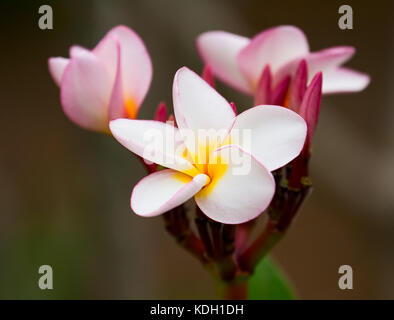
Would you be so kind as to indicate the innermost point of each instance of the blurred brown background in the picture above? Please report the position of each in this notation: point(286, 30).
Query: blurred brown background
point(64, 191)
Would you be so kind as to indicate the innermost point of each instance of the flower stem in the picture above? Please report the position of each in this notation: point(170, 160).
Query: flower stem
point(260, 247)
point(177, 224)
point(233, 290)
point(202, 227)
point(292, 188)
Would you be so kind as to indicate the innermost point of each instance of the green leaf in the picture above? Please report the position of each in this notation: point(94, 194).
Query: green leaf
point(269, 283)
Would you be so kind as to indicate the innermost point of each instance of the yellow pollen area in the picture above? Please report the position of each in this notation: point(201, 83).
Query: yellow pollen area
point(214, 167)
point(182, 177)
point(286, 100)
point(215, 172)
point(131, 108)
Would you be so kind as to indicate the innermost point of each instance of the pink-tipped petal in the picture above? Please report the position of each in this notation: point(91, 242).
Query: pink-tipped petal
point(219, 49)
point(136, 64)
point(117, 105)
point(327, 61)
point(155, 141)
point(107, 52)
point(344, 80)
point(298, 86)
point(273, 134)
point(57, 66)
point(274, 47)
point(199, 108)
point(164, 190)
point(310, 106)
point(263, 92)
point(161, 112)
point(239, 191)
point(86, 90)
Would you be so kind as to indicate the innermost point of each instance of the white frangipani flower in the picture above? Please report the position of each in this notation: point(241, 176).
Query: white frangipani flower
point(230, 178)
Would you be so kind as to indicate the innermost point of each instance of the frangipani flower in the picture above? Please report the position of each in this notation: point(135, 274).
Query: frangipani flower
point(205, 167)
point(240, 61)
point(107, 83)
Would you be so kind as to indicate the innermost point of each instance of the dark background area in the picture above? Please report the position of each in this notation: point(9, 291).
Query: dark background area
point(64, 191)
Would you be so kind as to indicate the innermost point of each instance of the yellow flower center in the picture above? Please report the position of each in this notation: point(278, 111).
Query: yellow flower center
point(206, 162)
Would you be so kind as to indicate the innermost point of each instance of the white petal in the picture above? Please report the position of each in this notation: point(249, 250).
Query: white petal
point(155, 141)
point(241, 188)
point(274, 47)
point(56, 68)
point(326, 61)
point(200, 110)
point(273, 134)
point(164, 190)
point(219, 50)
point(344, 80)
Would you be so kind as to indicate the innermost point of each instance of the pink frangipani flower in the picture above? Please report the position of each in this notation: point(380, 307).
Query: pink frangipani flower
point(209, 166)
point(106, 83)
point(240, 61)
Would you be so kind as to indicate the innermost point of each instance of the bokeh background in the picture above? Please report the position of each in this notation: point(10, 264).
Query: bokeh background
point(64, 191)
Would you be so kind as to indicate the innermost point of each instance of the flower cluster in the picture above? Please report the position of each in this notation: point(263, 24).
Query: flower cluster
point(235, 166)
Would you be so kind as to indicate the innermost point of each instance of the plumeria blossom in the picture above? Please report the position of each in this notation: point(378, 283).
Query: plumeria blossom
point(240, 61)
point(230, 178)
point(106, 83)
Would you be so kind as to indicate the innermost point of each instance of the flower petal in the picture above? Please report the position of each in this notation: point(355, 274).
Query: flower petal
point(327, 61)
point(274, 47)
point(298, 86)
point(335, 78)
point(86, 90)
point(117, 105)
point(273, 134)
point(279, 94)
point(219, 49)
point(263, 91)
point(164, 190)
point(344, 80)
point(241, 188)
point(57, 66)
point(136, 63)
point(200, 110)
point(310, 106)
point(154, 141)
